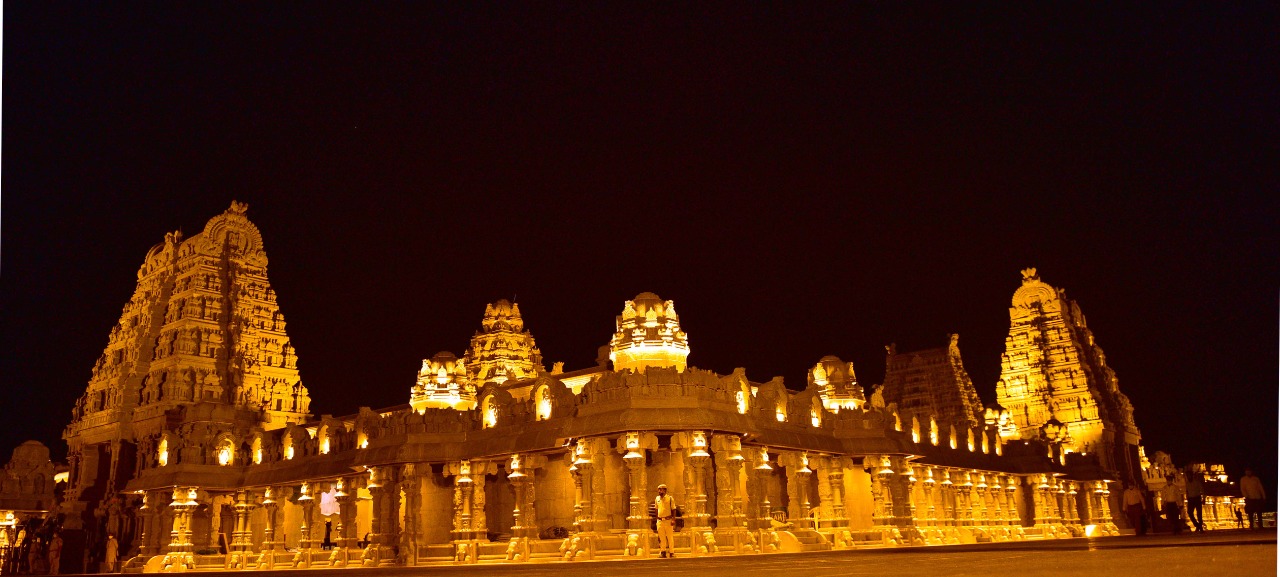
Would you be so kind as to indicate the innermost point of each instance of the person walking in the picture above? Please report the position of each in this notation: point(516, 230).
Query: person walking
point(666, 507)
point(1135, 508)
point(1255, 497)
point(1171, 496)
point(1195, 499)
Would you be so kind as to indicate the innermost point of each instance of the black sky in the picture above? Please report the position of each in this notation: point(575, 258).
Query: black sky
point(801, 180)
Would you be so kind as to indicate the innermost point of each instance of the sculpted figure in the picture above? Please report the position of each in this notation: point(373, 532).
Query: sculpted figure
point(633, 545)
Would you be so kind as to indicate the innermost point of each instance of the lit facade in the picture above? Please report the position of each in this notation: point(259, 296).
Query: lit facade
point(217, 464)
point(1055, 382)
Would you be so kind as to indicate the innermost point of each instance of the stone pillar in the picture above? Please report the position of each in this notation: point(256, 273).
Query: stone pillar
point(469, 524)
point(410, 485)
point(1011, 501)
point(797, 506)
point(521, 474)
point(346, 493)
point(981, 511)
point(183, 504)
point(693, 446)
point(241, 538)
point(580, 469)
point(835, 479)
point(385, 525)
point(1106, 520)
point(305, 543)
point(964, 499)
point(929, 486)
point(145, 525)
point(948, 500)
point(729, 499)
point(634, 446)
point(759, 497)
point(269, 543)
point(881, 499)
point(598, 513)
point(904, 493)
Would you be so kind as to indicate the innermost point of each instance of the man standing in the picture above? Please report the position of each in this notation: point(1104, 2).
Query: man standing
point(1195, 498)
point(1135, 508)
point(111, 555)
point(1171, 496)
point(1255, 497)
point(666, 506)
point(55, 554)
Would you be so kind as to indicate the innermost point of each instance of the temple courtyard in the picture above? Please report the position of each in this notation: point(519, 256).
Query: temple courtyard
point(1219, 553)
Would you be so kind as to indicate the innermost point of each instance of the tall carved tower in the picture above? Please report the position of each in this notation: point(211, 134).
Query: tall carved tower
point(503, 350)
point(1055, 381)
point(203, 326)
point(932, 382)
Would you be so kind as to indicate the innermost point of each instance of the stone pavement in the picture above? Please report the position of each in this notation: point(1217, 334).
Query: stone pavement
point(1217, 553)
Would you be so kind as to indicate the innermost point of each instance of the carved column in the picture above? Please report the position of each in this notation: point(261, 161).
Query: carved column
point(308, 504)
point(580, 470)
point(411, 485)
point(835, 478)
point(964, 499)
point(598, 451)
point(696, 459)
point(183, 504)
point(269, 543)
point(346, 495)
point(241, 538)
point(468, 507)
point(881, 500)
point(950, 506)
point(728, 460)
point(928, 486)
point(762, 471)
point(384, 488)
point(145, 525)
point(1010, 501)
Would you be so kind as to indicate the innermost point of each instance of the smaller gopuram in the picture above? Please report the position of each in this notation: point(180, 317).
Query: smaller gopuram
point(648, 335)
point(502, 350)
point(1055, 382)
point(932, 383)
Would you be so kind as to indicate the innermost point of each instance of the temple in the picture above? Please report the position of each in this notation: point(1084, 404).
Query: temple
point(1055, 382)
point(194, 447)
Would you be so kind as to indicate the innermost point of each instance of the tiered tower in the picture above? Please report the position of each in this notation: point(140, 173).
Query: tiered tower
point(932, 382)
point(443, 384)
point(203, 325)
point(502, 350)
point(1053, 373)
point(648, 335)
point(837, 384)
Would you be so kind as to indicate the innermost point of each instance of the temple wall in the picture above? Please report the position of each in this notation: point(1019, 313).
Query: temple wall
point(499, 504)
point(290, 519)
point(857, 498)
point(553, 498)
point(436, 518)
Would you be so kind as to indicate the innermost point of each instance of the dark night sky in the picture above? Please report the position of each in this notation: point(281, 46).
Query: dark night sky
point(801, 180)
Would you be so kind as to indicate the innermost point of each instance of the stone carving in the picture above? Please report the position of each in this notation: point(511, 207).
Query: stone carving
point(648, 335)
point(502, 350)
point(1053, 370)
point(443, 383)
point(932, 382)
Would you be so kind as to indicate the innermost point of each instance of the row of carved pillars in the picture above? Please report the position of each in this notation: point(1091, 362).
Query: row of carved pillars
point(159, 510)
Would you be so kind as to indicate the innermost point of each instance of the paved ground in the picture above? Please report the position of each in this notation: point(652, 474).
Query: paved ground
point(1217, 553)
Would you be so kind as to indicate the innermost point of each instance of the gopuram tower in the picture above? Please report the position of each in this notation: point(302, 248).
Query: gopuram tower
point(932, 383)
point(1055, 382)
point(503, 350)
point(648, 335)
point(202, 328)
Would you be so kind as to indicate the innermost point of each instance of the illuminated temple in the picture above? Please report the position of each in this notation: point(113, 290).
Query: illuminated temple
point(195, 447)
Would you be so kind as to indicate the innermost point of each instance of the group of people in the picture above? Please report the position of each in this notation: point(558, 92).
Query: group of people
point(1172, 496)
